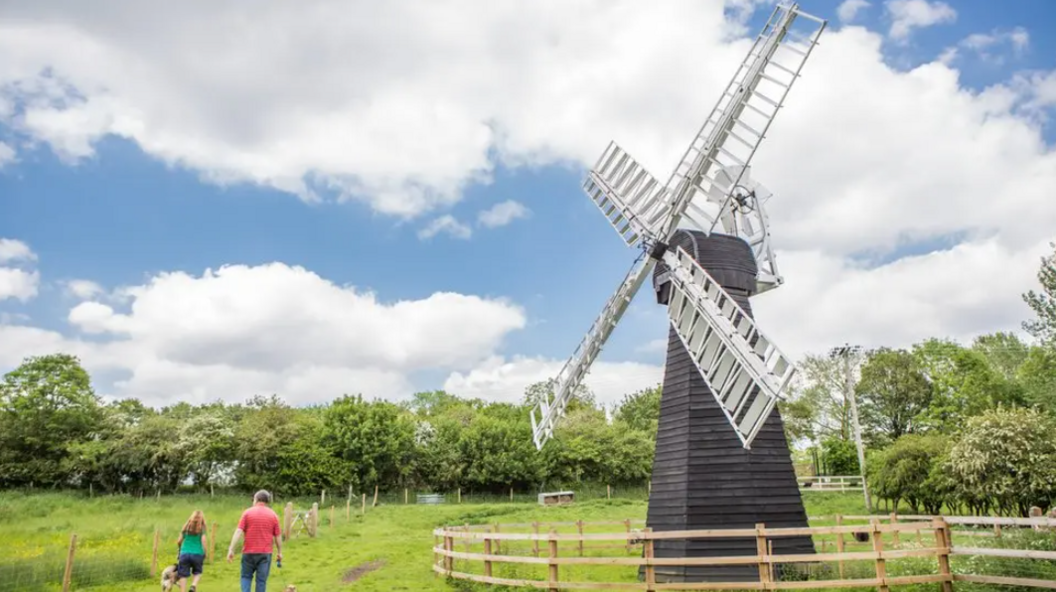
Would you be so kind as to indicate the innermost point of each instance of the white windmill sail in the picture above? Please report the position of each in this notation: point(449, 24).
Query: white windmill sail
point(548, 412)
point(627, 195)
point(746, 372)
point(743, 114)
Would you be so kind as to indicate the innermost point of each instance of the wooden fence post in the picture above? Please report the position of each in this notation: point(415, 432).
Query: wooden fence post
point(579, 527)
point(406, 496)
point(650, 569)
point(287, 520)
point(487, 552)
point(511, 494)
point(375, 504)
point(770, 554)
point(760, 548)
point(314, 520)
point(608, 492)
point(553, 566)
point(535, 543)
point(839, 542)
point(212, 544)
point(449, 545)
point(154, 555)
point(363, 509)
point(942, 541)
point(881, 563)
point(322, 498)
point(627, 525)
point(460, 495)
point(67, 576)
point(894, 534)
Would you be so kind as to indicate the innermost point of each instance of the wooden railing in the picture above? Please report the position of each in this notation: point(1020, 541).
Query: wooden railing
point(830, 483)
point(764, 559)
point(490, 549)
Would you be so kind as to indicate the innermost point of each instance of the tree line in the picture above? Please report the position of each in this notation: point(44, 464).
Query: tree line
point(55, 432)
point(946, 425)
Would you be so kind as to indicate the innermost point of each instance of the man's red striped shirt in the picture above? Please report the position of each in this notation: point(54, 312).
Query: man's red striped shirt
point(259, 523)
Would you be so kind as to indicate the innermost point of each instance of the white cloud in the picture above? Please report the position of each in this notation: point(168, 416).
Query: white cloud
point(84, 289)
point(502, 213)
point(985, 45)
point(499, 379)
point(961, 292)
point(447, 224)
point(849, 9)
point(17, 283)
point(239, 330)
point(12, 250)
point(523, 81)
point(7, 153)
point(907, 15)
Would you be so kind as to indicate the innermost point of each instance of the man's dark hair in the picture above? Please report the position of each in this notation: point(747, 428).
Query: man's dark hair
point(262, 496)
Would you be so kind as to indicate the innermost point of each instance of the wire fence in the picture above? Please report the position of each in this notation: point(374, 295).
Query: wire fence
point(82, 563)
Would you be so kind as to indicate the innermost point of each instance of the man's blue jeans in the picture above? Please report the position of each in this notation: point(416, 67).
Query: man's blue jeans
point(259, 563)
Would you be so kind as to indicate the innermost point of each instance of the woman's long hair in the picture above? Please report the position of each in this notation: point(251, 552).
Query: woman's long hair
point(195, 524)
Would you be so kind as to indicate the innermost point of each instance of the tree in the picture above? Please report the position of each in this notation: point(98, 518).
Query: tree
point(375, 439)
point(1044, 303)
point(544, 390)
point(1005, 459)
point(46, 405)
point(839, 457)
point(824, 380)
point(799, 413)
point(1037, 376)
point(893, 393)
point(964, 383)
point(641, 410)
point(1005, 352)
point(910, 470)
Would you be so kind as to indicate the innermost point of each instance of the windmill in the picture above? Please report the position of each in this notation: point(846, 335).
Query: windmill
point(722, 460)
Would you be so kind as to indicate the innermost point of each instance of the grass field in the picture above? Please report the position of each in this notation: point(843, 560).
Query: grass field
point(115, 537)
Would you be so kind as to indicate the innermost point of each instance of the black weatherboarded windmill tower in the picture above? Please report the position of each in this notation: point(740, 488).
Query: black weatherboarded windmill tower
point(722, 460)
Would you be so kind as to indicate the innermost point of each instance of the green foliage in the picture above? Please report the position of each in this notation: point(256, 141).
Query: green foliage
point(1043, 303)
point(964, 384)
point(839, 457)
point(641, 410)
point(911, 470)
point(892, 393)
point(375, 438)
point(46, 405)
point(1005, 460)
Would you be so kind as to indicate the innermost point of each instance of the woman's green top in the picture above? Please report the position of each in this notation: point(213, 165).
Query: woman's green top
point(192, 544)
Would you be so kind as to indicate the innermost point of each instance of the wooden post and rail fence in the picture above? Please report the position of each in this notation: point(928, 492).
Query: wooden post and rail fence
point(929, 538)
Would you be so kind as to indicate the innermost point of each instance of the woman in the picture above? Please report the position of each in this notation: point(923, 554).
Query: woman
point(192, 544)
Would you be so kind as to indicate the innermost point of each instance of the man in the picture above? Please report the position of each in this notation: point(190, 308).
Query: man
point(260, 525)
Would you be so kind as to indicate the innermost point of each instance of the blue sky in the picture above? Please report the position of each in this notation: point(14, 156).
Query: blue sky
point(115, 181)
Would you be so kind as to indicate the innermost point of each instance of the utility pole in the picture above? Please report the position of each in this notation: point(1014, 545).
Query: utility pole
point(848, 392)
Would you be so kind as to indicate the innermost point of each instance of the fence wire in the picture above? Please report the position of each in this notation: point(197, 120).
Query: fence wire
point(98, 562)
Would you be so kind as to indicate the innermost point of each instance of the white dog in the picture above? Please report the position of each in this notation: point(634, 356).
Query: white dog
point(169, 578)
